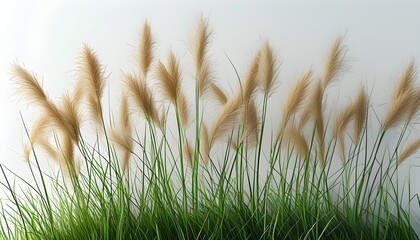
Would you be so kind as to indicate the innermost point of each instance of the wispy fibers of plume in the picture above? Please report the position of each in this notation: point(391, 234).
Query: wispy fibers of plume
point(268, 68)
point(122, 134)
point(91, 76)
point(226, 119)
point(143, 99)
point(219, 94)
point(335, 61)
point(294, 100)
point(408, 151)
point(344, 117)
point(250, 82)
point(295, 137)
point(145, 50)
point(204, 143)
point(360, 115)
point(200, 45)
point(406, 82)
point(415, 107)
point(251, 120)
point(404, 100)
point(169, 79)
point(30, 88)
point(32, 91)
point(188, 152)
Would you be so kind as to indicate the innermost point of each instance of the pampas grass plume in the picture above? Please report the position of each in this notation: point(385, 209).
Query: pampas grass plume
point(146, 43)
point(408, 151)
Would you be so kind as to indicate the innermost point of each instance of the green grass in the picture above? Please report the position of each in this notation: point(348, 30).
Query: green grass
point(296, 201)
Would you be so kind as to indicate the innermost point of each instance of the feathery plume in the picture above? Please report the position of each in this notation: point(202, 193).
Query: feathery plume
point(296, 138)
point(184, 111)
point(29, 86)
point(225, 119)
point(204, 143)
point(219, 94)
point(399, 109)
point(199, 51)
point(268, 67)
point(38, 133)
point(408, 151)
point(340, 125)
point(361, 105)
point(169, 80)
point(407, 81)
point(415, 107)
point(71, 114)
point(122, 135)
point(189, 153)
point(92, 71)
point(335, 61)
point(295, 99)
point(251, 124)
point(65, 156)
point(146, 43)
point(142, 98)
point(250, 82)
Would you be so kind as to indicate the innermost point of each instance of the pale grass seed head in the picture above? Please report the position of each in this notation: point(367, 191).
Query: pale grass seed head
point(317, 108)
point(407, 80)
point(415, 107)
point(226, 119)
point(399, 109)
point(344, 117)
point(72, 116)
point(408, 151)
point(146, 43)
point(169, 78)
point(295, 99)
point(313, 106)
point(142, 98)
point(219, 94)
point(122, 135)
point(295, 137)
point(184, 110)
point(361, 105)
point(92, 74)
point(40, 129)
point(251, 124)
point(335, 61)
point(251, 81)
point(189, 152)
point(200, 45)
point(30, 88)
point(268, 68)
point(204, 143)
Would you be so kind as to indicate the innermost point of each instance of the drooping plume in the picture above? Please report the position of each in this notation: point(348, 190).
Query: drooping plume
point(226, 119)
point(404, 100)
point(200, 47)
point(294, 100)
point(335, 62)
point(251, 124)
point(142, 98)
point(122, 134)
point(268, 68)
point(295, 137)
point(408, 151)
point(145, 51)
point(91, 74)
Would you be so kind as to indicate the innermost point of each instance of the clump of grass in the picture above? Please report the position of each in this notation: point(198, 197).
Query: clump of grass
point(212, 183)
